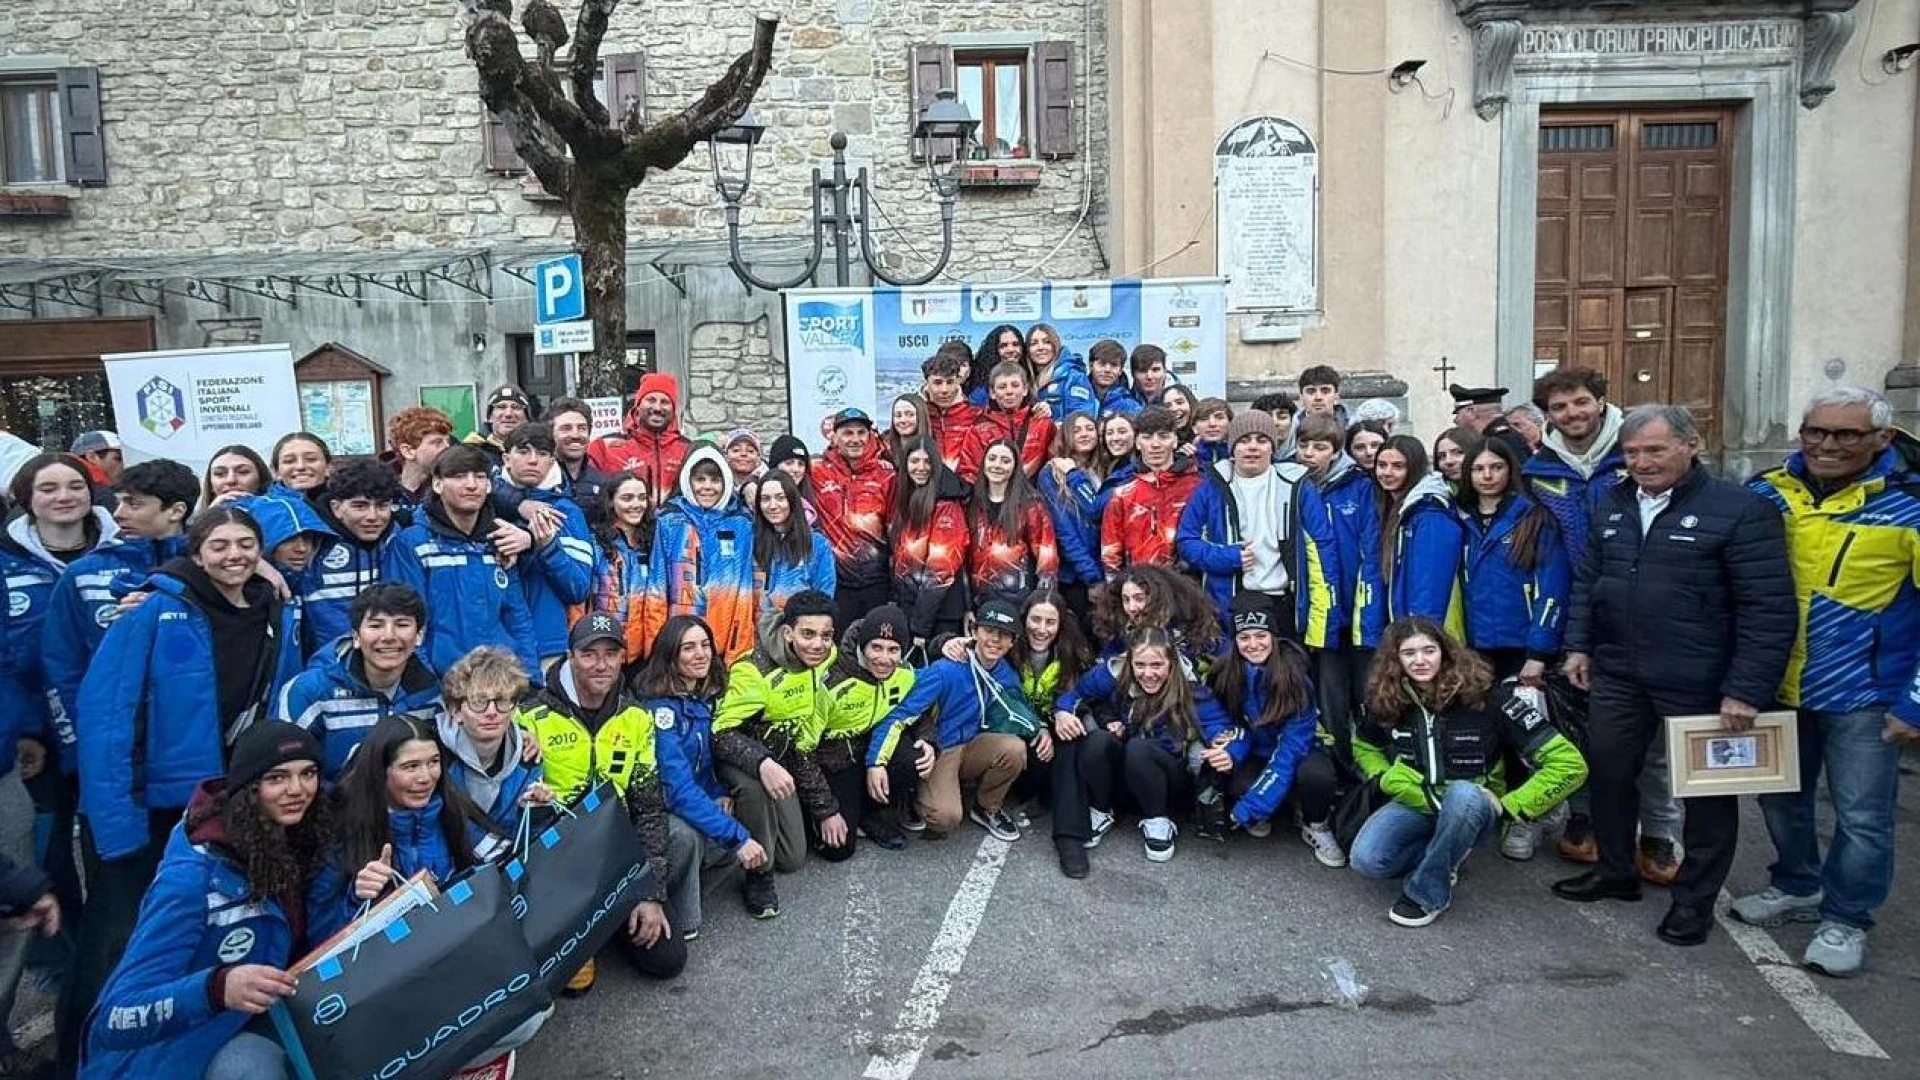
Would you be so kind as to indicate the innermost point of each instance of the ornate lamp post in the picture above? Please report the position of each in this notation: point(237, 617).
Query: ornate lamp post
point(843, 204)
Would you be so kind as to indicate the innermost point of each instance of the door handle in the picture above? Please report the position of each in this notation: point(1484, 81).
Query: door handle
point(1643, 375)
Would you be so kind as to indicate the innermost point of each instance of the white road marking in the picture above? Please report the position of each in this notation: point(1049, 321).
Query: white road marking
point(860, 963)
point(921, 1012)
point(1833, 1024)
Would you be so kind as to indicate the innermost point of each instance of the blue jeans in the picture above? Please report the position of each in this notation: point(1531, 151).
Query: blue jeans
point(248, 1057)
point(1863, 777)
point(1426, 849)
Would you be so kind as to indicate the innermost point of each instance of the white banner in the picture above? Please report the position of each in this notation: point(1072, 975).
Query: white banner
point(862, 347)
point(188, 403)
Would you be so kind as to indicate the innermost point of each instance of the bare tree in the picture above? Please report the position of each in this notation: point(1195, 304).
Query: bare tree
point(586, 155)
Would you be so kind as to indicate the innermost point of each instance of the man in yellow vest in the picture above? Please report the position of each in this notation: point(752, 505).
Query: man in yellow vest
point(590, 729)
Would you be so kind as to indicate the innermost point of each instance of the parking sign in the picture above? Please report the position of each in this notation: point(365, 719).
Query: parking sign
point(559, 291)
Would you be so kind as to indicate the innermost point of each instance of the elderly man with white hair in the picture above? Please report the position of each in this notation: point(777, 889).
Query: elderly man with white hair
point(1851, 502)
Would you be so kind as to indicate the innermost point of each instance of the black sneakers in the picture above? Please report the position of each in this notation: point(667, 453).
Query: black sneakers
point(1407, 911)
point(763, 902)
point(1073, 857)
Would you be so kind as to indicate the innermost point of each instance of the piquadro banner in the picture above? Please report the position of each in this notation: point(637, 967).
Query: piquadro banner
point(861, 348)
point(188, 403)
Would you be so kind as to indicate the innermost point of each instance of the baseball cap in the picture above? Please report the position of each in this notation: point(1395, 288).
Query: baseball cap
point(998, 615)
point(94, 441)
point(598, 626)
point(851, 416)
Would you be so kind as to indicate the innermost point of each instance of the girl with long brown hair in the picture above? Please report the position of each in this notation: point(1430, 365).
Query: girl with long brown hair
point(1436, 731)
point(1420, 543)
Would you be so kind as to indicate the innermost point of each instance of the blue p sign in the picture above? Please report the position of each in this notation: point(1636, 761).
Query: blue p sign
point(560, 293)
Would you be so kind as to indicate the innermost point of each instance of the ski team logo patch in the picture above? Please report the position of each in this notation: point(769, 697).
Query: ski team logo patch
point(338, 558)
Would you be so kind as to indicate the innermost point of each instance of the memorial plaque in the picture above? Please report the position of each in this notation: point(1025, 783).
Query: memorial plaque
point(1266, 178)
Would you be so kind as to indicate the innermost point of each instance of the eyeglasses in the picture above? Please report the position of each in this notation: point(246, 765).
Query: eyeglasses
point(1847, 438)
point(489, 705)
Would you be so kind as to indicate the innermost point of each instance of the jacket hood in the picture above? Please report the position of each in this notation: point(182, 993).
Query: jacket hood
point(729, 491)
point(1183, 464)
point(1432, 488)
point(1603, 446)
point(461, 745)
point(185, 579)
point(1338, 471)
point(282, 517)
point(212, 830)
point(21, 535)
point(436, 514)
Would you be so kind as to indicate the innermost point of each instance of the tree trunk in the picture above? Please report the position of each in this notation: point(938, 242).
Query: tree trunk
point(599, 207)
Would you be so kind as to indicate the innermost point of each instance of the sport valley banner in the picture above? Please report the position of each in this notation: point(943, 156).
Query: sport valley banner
point(863, 347)
point(188, 403)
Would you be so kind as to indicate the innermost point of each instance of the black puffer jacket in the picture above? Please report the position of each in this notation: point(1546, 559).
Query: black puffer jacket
point(1702, 608)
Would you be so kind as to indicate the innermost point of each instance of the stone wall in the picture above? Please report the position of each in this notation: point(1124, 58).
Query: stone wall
point(235, 125)
point(734, 380)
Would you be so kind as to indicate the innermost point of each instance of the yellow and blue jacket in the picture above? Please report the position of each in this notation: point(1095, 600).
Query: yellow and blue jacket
point(1856, 575)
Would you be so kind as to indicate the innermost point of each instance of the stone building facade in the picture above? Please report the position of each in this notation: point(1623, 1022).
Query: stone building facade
point(341, 142)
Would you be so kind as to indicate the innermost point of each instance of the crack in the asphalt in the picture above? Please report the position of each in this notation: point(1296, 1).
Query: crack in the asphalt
point(1163, 1022)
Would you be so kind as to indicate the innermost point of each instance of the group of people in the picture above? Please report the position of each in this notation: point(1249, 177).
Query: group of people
point(1054, 583)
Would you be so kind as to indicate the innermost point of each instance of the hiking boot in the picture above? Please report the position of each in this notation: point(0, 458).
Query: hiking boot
point(1102, 823)
point(1837, 949)
point(1073, 857)
point(1772, 907)
point(1326, 849)
point(1261, 829)
point(1520, 841)
point(997, 823)
point(763, 901)
point(1577, 843)
point(1656, 860)
point(1159, 833)
point(1407, 912)
point(581, 982)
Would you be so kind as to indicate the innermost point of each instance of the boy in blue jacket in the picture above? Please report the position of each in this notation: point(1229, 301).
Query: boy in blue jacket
point(951, 697)
point(558, 573)
point(1340, 665)
point(358, 506)
point(463, 562)
point(360, 679)
point(155, 500)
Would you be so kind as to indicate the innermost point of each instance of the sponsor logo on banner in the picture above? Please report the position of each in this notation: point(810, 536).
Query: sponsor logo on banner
point(825, 325)
point(162, 407)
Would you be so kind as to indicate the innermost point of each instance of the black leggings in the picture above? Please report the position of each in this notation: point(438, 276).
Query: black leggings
point(1082, 777)
point(1316, 783)
point(1157, 780)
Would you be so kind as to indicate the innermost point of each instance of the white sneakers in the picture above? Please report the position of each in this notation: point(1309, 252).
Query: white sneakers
point(1325, 847)
point(1159, 833)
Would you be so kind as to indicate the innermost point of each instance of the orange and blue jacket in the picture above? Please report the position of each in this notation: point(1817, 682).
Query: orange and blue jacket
point(702, 564)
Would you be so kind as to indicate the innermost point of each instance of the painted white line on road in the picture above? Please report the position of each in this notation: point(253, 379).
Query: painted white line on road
point(1833, 1024)
point(860, 964)
point(944, 958)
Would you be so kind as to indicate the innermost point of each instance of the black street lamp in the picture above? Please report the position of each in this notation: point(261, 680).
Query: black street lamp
point(840, 202)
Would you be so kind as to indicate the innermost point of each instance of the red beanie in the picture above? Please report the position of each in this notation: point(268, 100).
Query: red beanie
point(658, 382)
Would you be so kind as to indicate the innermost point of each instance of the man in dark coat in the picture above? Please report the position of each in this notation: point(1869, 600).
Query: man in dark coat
point(1683, 604)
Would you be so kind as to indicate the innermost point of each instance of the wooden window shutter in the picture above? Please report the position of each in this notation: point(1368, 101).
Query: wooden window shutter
point(626, 81)
point(1054, 106)
point(501, 157)
point(929, 69)
point(86, 147)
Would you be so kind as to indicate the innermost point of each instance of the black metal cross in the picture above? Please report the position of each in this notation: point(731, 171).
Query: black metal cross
point(1446, 370)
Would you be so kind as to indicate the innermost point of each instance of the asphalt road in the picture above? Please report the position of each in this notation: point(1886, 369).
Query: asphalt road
point(1215, 964)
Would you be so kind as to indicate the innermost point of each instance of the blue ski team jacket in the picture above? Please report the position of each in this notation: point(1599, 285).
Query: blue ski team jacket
point(1507, 607)
point(150, 728)
point(947, 685)
point(343, 567)
point(471, 599)
point(557, 576)
point(1069, 391)
point(1209, 540)
point(1075, 508)
point(154, 1019)
point(782, 579)
point(1568, 496)
point(1282, 746)
point(27, 707)
point(683, 742)
point(85, 602)
point(1423, 576)
point(1099, 691)
point(331, 699)
point(1348, 493)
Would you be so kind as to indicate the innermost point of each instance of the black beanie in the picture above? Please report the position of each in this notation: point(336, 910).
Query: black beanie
point(788, 448)
point(265, 746)
point(884, 623)
point(1252, 611)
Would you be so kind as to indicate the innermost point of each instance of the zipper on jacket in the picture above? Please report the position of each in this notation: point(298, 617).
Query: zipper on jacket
point(1833, 577)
